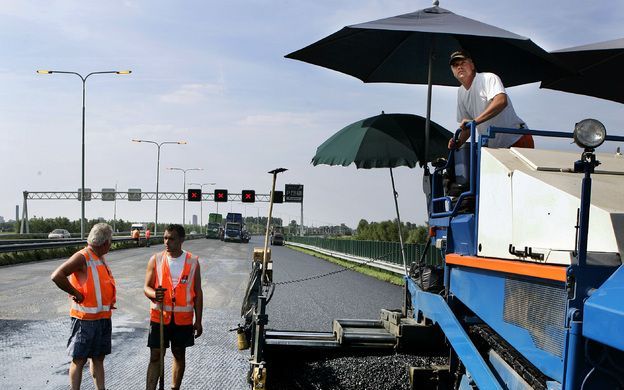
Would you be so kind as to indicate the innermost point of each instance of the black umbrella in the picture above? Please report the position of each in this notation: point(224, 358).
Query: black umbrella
point(598, 69)
point(415, 48)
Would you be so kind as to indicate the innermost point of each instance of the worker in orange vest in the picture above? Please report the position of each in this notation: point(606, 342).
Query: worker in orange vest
point(136, 235)
point(88, 280)
point(173, 284)
point(148, 234)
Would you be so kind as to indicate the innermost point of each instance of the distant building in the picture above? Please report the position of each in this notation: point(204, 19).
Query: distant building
point(194, 219)
point(1, 219)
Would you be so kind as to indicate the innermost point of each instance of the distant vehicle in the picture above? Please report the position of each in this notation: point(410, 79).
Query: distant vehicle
point(232, 232)
point(193, 232)
point(245, 236)
point(59, 233)
point(234, 217)
point(215, 218)
point(141, 227)
point(212, 230)
point(277, 236)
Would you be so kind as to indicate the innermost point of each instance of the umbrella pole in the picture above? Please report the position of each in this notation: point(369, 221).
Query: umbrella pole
point(429, 90)
point(396, 205)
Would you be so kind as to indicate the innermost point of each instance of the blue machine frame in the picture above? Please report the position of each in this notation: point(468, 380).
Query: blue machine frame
point(556, 345)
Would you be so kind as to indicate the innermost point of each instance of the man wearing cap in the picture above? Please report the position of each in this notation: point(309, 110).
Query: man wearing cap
point(481, 98)
point(89, 282)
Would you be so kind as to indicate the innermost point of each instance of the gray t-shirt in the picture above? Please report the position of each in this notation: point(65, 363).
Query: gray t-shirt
point(472, 102)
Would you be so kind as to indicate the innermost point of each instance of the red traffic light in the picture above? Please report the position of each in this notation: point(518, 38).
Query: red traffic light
point(248, 196)
point(194, 195)
point(221, 195)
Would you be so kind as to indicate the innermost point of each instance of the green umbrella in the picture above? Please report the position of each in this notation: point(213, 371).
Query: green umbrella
point(385, 141)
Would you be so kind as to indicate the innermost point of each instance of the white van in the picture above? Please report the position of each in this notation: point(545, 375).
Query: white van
point(142, 227)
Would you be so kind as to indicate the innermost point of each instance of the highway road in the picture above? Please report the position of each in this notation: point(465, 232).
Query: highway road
point(34, 322)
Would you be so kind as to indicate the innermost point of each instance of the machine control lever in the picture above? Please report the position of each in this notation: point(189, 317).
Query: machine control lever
point(527, 252)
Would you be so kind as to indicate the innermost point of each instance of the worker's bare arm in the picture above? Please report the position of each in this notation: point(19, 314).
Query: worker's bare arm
point(76, 263)
point(155, 294)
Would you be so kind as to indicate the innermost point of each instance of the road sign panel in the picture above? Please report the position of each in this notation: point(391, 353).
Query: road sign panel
point(221, 195)
point(108, 194)
point(278, 197)
point(293, 193)
point(248, 196)
point(194, 195)
point(87, 194)
point(134, 194)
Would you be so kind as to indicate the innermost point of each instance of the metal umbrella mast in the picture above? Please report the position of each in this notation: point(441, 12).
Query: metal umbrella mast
point(84, 81)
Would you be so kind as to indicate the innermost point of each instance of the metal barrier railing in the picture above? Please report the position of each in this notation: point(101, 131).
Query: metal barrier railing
point(29, 245)
point(371, 249)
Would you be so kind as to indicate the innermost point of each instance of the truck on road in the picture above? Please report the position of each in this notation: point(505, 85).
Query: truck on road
point(233, 227)
point(214, 223)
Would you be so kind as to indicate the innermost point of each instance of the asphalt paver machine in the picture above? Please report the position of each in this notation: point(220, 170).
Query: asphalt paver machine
point(530, 294)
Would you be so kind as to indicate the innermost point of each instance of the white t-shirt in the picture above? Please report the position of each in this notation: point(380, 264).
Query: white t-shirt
point(176, 266)
point(472, 102)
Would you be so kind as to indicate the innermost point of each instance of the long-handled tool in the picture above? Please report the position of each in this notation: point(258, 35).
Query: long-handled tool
point(268, 227)
point(161, 380)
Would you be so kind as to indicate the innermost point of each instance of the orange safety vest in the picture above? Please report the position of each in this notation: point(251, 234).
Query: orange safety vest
point(98, 290)
point(136, 234)
point(179, 300)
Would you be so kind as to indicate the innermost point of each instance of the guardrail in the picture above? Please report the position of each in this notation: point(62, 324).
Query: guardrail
point(358, 251)
point(20, 247)
point(34, 244)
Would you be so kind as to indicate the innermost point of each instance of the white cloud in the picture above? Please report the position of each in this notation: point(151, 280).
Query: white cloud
point(193, 93)
point(277, 120)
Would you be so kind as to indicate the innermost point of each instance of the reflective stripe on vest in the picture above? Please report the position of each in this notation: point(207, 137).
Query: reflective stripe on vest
point(87, 309)
point(183, 304)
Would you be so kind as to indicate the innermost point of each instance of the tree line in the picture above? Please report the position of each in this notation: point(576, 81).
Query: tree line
point(389, 231)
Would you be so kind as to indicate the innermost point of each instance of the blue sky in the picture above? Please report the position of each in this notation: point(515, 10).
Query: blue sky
point(213, 74)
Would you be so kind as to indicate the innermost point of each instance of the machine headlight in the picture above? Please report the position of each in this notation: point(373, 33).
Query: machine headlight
point(589, 133)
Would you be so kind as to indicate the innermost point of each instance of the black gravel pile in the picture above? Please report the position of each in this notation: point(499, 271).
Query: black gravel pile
point(370, 372)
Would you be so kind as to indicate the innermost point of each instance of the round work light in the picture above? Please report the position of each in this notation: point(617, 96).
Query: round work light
point(589, 133)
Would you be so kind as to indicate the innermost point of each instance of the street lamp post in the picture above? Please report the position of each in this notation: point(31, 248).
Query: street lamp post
point(201, 204)
point(184, 189)
point(158, 145)
point(84, 81)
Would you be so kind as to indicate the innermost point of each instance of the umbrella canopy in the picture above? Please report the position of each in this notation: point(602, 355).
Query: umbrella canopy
point(398, 50)
point(414, 48)
point(598, 69)
point(383, 141)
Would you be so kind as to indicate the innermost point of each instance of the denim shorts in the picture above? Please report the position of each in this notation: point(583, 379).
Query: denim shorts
point(89, 338)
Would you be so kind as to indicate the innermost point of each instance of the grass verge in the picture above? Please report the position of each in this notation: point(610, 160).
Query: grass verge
point(380, 274)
